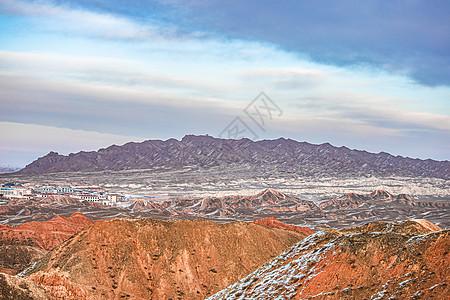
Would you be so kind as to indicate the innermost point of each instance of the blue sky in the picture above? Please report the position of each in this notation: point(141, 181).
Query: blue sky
point(81, 75)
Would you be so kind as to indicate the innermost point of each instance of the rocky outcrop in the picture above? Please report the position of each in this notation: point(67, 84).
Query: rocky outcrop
point(377, 197)
point(15, 258)
point(274, 198)
point(413, 227)
point(23, 245)
point(16, 288)
point(46, 234)
point(404, 260)
point(149, 259)
point(267, 202)
point(283, 155)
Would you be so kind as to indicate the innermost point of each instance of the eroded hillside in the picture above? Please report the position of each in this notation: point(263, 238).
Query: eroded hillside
point(404, 260)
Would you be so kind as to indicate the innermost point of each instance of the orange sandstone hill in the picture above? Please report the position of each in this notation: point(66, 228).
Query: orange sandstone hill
point(46, 234)
point(150, 259)
point(274, 222)
point(402, 260)
point(24, 244)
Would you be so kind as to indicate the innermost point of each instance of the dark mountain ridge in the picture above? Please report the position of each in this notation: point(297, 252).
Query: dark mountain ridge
point(283, 155)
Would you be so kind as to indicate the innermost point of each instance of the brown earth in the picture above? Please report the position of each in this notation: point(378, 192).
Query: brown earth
point(340, 212)
point(15, 258)
point(415, 226)
point(377, 197)
point(8, 271)
point(274, 222)
point(404, 260)
point(49, 200)
point(149, 259)
point(268, 201)
point(427, 224)
point(46, 234)
point(16, 288)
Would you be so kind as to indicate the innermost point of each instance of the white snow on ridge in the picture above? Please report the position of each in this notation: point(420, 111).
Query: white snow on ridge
point(265, 281)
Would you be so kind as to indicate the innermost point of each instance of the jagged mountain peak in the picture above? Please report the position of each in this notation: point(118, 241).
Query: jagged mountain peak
point(381, 194)
point(280, 155)
point(272, 193)
point(377, 197)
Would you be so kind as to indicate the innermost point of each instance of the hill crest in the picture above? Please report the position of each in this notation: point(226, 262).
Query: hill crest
point(152, 259)
point(359, 263)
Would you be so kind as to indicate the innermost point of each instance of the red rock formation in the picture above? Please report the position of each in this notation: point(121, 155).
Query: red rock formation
point(269, 200)
point(45, 235)
point(274, 222)
point(358, 263)
point(149, 259)
point(270, 196)
point(381, 195)
point(377, 197)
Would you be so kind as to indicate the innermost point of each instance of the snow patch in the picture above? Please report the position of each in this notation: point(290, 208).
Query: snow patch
point(24, 272)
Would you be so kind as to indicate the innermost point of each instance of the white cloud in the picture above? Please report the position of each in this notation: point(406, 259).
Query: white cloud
point(332, 126)
point(285, 72)
point(40, 138)
point(49, 94)
point(61, 18)
point(370, 108)
point(153, 75)
point(287, 78)
point(98, 70)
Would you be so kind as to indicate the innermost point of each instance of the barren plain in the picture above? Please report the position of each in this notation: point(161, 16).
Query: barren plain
point(196, 184)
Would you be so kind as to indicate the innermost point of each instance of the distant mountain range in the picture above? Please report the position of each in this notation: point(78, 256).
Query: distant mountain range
point(270, 202)
point(4, 170)
point(281, 155)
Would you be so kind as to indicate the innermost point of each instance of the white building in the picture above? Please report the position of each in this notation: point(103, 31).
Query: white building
point(47, 190)
point(55, 190)
point(17, 191)
point(114, 198)
point(88, 197)
point(64, 189)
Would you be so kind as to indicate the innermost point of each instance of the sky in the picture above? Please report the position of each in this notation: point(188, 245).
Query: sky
point(80, 75)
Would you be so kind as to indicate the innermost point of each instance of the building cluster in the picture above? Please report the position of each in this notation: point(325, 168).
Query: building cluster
point(91, 194)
